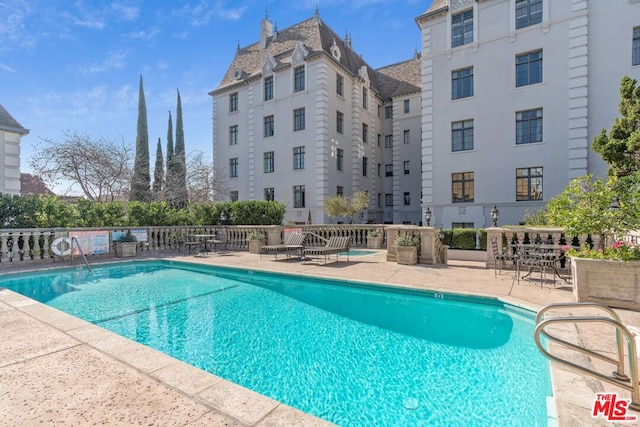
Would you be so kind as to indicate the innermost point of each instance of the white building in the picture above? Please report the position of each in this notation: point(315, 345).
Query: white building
point(10, 134)
point(299, 117)
point(514, 91)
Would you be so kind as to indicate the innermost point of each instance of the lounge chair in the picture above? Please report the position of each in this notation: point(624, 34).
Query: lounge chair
point(335, 245)
point(293, 245)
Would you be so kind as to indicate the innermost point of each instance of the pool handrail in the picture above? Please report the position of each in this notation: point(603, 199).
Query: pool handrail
point(617, 377)
point(84, 258)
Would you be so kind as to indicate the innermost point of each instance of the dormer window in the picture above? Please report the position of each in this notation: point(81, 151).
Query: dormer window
point(462, 28)
point(298, 79)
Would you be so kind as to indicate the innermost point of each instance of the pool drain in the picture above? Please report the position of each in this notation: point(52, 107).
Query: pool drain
point(410, 403)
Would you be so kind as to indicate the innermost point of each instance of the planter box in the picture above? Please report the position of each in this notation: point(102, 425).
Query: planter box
point(126, 249)
point(255, 245)
point(406, 255)
point(613, 283)
point(374, 242)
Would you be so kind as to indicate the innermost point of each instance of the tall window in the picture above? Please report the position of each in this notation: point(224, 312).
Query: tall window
point(298, 79)
point(379, 168)
point(339, 159)
point(233, 102)
point(340, 191)
point(379, 139)
point(405, 165)
point(365, 166)
point(529, 184)
point(406, 137)
point(298, 196)
point(407, 198)
point(462, 83)
point(268, 88)
point(529, 126)
point(298, 157)
point(269, 194)
point(268, 126)
point(529, 68)
point(233, 167)
point(388, 199)
point(233, 135)
point(298, 119)
point(635, 60)
point(388, 170)
point(269, 162)
point(233, 195)
point(528, 12)
point(365, 98)
point(462, 135)
point(388, 141)
point(388, 112)
point(339, 122)
point(462, 187)
point(462, 28)
point(365, 133)
point(339, 84)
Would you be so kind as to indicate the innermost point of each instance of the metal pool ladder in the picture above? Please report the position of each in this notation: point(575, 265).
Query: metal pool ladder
point(84, 258)
point(610, 317)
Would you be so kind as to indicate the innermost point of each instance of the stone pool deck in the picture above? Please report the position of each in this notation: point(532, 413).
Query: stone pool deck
point(57, 369)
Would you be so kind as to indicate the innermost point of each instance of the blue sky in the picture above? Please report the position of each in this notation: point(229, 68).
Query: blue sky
point(75, 64)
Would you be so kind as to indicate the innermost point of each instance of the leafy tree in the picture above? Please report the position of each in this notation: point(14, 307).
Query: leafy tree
point(140, 183)
point(340, 206)
point(99, 167)
point(180, 161)
point(169, 177)
point(158, 171)
point(584, 207)
point(621, 147)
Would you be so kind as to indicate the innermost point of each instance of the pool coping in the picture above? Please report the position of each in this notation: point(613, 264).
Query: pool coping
point(218, 394)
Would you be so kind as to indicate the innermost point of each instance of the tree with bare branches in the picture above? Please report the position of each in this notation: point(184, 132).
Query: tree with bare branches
point(101, 168)
point(203, 183)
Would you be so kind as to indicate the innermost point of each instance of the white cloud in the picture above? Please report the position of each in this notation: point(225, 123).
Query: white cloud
point(6, 68)
point(128, 13)
point(113, 61)
point(144, 35)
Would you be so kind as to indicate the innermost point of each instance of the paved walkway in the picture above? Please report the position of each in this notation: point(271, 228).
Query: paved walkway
point(57, 369)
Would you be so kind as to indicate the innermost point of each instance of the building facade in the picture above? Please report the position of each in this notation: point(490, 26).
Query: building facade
point(299, 117)
point(10, 134)
point(513, 93)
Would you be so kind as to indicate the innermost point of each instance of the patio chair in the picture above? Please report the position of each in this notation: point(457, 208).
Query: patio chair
point(335, 245)
point(500, 257)
point(294, 244)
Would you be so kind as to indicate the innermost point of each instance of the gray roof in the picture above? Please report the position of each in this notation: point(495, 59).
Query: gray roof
point(437, 5)
point(8, 123)
point(400, 79)
point(317, 38)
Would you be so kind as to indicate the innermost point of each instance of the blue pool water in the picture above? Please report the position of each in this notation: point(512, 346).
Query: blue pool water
point(353, 354)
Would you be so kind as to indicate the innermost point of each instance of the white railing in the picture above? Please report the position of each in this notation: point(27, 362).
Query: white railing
point(33, 245)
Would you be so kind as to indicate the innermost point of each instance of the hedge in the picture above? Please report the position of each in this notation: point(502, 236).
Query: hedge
point(32, 211)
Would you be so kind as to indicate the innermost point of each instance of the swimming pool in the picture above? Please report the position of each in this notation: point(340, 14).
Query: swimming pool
point(353, 354)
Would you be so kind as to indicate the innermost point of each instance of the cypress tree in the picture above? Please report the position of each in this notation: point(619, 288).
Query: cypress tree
point(169, 179)
point(141, 180)
point(180, 161)
point(158, 172)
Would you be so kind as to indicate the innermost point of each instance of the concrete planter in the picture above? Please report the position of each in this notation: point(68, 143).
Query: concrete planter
point(255, 245)
point(126, 249)
point(406, 255)
point(374, 242)
point(613, 283)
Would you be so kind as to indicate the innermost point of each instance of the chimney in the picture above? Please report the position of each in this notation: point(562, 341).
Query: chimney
point(266, 31)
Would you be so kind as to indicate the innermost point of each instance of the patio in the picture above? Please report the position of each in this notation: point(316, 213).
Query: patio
point(55, 367)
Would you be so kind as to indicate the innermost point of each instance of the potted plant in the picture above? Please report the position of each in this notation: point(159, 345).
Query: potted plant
point(374, 239)
point(126, 245)
point(256, 241)
point(406, 246)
